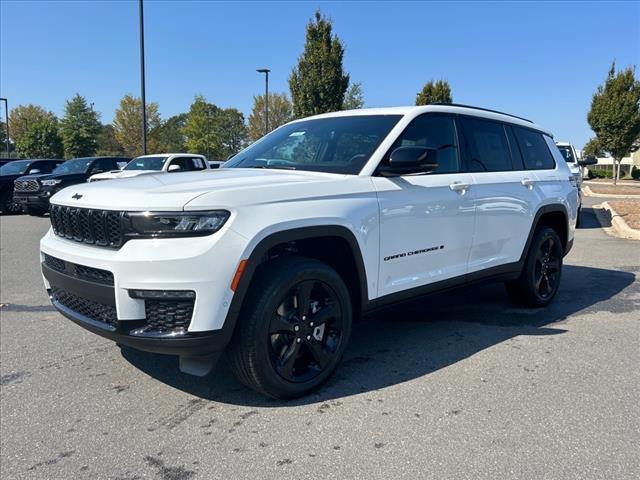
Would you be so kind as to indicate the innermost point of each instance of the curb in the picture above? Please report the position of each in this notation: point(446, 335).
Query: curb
point(619, 228)
point(589, 193)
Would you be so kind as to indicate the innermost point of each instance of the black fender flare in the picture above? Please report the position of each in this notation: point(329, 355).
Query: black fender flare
point(550, 208)
point(284, 236)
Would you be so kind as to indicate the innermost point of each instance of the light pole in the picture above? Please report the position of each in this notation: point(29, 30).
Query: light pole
point(6, 117)
point(144, 103)
point(266, 97)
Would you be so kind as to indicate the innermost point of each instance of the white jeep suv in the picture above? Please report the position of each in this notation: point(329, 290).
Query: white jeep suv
point(274, 255)
point(157, 163)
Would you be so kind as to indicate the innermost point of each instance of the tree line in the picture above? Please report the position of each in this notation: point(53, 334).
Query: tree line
point(317, 84)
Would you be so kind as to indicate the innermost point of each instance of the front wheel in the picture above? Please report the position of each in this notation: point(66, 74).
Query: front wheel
point(35, 211)
point(294, 328)
point(8, 206)
point(540, 277)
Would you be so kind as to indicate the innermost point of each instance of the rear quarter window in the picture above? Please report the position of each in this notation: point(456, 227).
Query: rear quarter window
point(535, 152)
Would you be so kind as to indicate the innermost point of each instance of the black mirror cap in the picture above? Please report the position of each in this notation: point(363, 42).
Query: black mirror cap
point(408, 160)
point(588, 160)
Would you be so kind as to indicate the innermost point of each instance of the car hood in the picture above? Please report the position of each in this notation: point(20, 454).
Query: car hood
point(120, 174)
point(217, 188)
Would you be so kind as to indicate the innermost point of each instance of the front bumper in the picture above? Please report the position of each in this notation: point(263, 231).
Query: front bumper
point(34, 200)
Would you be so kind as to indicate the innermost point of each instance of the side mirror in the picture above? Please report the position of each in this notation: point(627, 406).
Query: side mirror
point(588, 160)
point(174, 168)
point(407, 160)
point(33, 171)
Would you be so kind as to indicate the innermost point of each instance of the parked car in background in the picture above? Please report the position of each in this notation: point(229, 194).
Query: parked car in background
point(216, 163)
point(14, 169)
point(34, 191)
point(575, 163)
point(157, 163)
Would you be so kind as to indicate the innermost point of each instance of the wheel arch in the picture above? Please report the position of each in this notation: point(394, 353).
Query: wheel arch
point(338, 242)
point(553, 215)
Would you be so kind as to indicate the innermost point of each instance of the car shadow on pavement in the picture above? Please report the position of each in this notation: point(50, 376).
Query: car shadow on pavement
point(588, 219)
point(421, 337)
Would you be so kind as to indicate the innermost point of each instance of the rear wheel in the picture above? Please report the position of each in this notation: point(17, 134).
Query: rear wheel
point(294, 329)
point(540, 277)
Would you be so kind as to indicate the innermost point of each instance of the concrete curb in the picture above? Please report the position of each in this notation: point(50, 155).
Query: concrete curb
point(589, 193)
point(619, 228)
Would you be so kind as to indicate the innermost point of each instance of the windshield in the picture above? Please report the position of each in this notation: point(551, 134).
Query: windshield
point(567, 153)
point(17, 167)
point(146, 163)
point(334, 145)
point(79, 165)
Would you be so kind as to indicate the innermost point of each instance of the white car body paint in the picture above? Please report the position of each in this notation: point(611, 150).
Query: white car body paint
point(118, 174)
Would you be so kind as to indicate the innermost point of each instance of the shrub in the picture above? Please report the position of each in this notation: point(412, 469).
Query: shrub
point(600, 173)
point(635, 173)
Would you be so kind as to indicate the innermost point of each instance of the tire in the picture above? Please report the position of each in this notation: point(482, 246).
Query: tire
point(8, 206)
point(285, 346)
point(35, 212)
point(542, 271)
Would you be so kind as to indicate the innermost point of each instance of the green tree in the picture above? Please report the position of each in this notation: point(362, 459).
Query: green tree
point(354, 97)
point(318, 83)
point(3, 140)
point(107, 143)
point(24, 116)
point(127, 126)
point(171, 133)
point(615, 114)
point(280, 112)
point(434, 92)
point(593, 147)
point(212, 131)
point(79, 127)
point(42, 140)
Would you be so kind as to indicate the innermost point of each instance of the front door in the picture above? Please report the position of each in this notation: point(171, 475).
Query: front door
point(426, 221)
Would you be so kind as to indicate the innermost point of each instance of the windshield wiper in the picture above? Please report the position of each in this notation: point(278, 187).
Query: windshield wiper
point(277, 167)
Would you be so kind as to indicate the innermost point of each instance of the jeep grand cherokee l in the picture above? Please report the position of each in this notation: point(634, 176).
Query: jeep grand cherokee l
point(272, 256)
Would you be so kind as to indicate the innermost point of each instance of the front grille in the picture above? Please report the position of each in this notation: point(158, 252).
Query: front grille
point(91, 274)
point(26, 186)
point(163, 315)
point(87, 308)
point(96, 227)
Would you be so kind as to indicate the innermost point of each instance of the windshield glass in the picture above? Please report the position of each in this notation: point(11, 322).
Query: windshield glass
point(567, 153)
point(79, 165)
point(334, 145)
point(146, 163)
point(17, 167)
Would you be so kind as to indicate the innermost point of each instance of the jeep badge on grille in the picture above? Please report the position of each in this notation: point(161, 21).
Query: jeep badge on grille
point(76, 196)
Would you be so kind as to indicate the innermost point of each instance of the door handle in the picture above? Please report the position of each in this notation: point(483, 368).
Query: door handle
point(527, 182)
point(459, 186)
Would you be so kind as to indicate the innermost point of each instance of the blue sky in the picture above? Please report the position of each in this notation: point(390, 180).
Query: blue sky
point(540, 60)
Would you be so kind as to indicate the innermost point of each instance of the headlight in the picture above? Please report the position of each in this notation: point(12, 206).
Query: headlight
point(50, 183)
point(176, 224)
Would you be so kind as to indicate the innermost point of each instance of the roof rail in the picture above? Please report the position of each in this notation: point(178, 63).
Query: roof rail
point(483, 109)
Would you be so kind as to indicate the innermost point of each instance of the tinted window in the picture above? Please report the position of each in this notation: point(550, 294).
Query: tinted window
point(535, 151)
point(187, 164)
point(437, 132)
point(516, 156)
point(146, 163)
point(79, 165)
point(104, 164)
point(16, 167)
point(567, 153)
point(332, 144)
point(487, 146)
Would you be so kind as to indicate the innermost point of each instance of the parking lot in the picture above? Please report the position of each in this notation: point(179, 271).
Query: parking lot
point(457, 386)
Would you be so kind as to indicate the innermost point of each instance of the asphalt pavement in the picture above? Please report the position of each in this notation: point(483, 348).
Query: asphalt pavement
point(463, 386)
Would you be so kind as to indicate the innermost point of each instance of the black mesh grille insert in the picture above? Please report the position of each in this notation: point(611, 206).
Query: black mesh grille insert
point(92, 274)
point(168, 314)
point(98, 227)
point(88, 308)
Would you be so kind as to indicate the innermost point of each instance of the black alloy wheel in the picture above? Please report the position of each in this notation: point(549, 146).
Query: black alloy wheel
point(305, 331)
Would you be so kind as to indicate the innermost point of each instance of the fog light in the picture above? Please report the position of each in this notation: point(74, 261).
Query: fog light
point(162, 294)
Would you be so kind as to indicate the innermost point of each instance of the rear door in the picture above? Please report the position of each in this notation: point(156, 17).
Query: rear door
point(426, 221)
point(504, 193)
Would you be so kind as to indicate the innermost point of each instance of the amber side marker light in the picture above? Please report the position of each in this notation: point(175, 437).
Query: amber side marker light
point(238, 275)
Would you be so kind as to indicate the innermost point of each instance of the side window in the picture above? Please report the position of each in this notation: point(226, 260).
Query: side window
point(437, 132)
point(535, 152)
point(518, 162)
point(103, 165)
point(182, 162)
point(487, 145)
point(43, 167)
point(197, 163)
